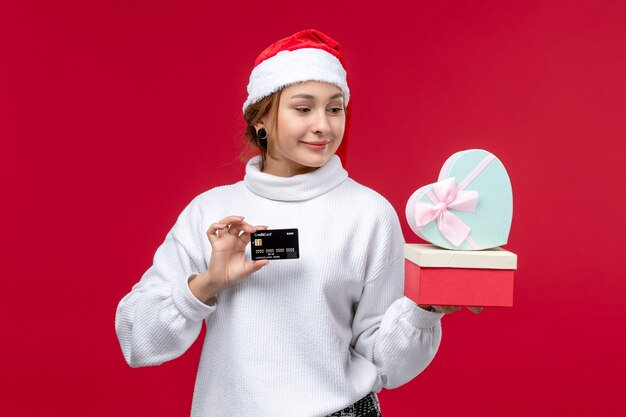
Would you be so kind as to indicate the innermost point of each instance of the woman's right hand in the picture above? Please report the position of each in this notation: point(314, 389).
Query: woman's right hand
point(228, 265)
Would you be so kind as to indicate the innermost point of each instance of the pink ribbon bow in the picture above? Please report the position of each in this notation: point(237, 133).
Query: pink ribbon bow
point(447, 196)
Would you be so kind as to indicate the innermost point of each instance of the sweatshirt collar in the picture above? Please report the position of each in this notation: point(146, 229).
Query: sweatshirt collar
point(297, 188)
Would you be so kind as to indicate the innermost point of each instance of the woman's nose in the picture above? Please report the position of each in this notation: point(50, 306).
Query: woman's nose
point(321, 126)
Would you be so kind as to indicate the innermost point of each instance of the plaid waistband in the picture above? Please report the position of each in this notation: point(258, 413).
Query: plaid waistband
point(367, 406)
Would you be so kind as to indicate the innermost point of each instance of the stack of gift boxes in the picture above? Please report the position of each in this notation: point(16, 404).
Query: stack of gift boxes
point(466, 216)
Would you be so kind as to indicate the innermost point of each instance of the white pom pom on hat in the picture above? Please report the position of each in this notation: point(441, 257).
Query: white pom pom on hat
point(308, 55)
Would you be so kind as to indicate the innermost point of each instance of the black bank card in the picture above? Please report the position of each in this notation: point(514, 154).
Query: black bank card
point(274, 244)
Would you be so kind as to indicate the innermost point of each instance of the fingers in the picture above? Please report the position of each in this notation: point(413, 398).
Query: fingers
point(236, 229)
point(452, 309)
point(229, 224)
point(212, 231)
point(475, 310)
point(251, 267)
point(236, 225)
point(232, 225)
point(231, 219)
point(446, 309)
point(245, 237)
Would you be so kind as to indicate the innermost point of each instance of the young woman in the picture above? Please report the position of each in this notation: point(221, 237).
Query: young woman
point(313, 336)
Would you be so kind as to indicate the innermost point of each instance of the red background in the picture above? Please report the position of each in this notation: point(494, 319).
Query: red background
point(114, 114)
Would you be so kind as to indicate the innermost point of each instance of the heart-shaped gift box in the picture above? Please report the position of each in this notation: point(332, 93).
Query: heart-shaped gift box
point(470, 207)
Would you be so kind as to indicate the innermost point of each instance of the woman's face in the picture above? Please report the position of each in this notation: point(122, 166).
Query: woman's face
point(311, 122)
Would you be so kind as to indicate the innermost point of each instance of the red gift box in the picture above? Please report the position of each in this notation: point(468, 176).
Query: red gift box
point(436, 276)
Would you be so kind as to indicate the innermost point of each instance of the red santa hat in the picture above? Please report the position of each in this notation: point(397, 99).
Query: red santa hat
point(308, 55)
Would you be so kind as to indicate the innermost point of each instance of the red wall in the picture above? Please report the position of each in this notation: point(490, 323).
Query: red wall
point(113, 115)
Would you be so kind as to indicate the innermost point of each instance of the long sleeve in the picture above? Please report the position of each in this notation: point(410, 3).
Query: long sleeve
point(160, 318)
point(390, 330)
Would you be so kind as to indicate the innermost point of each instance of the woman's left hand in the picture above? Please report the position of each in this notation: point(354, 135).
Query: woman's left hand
point(451, 309)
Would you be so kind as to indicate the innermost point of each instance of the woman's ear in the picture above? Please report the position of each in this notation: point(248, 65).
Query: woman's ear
point(259, 124)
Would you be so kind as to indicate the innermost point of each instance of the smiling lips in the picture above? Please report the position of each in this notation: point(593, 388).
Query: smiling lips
point(316, 145)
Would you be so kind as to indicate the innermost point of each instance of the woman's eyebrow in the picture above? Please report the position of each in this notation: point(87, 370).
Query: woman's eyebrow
point(310, 97)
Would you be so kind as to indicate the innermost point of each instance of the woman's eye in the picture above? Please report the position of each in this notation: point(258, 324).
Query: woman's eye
point(302, 109)
point(335, 110)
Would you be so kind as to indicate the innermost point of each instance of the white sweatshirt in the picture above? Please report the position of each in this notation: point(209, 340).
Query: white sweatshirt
point(301, 337)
